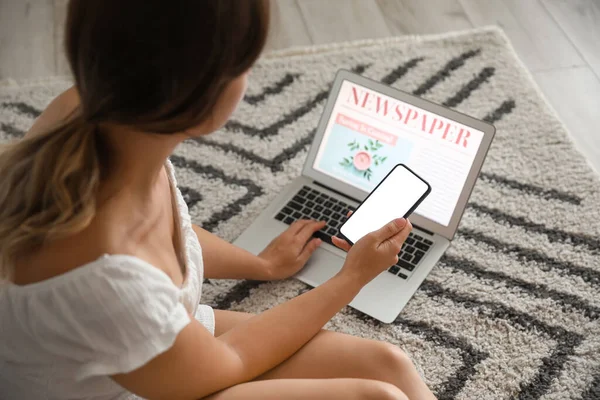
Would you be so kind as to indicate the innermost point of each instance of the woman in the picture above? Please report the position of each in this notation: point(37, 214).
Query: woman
point(101, 266)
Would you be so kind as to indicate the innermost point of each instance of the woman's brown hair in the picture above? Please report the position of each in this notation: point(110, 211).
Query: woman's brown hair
point(157, 66)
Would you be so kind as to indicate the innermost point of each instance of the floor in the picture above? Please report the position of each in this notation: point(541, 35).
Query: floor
point(559, 40)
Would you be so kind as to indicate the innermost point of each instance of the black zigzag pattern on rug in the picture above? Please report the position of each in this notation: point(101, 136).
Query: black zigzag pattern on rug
point(552, 364)
point(470, 87)
point(11, 131)
point(22, 108)
point(191, 196)
point(554, 235)
point(568, 301)
point(445, 72)
point(231, 209)
point(543, 261)
point(471, 357)
point(547, 194)
point(277, 88)
point(275, 164)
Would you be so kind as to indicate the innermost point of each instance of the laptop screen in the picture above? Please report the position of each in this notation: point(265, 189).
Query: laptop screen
point(368, 133)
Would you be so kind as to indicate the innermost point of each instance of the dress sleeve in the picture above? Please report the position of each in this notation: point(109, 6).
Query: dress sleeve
point(114, 318)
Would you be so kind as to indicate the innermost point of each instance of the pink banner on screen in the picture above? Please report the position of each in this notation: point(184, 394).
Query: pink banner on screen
point(366, 129)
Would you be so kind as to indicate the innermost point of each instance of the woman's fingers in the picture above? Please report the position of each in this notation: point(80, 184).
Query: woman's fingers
point(309, 249)
point(304, 229)
point(308, 229)
point(297, 226)
point(342, 244)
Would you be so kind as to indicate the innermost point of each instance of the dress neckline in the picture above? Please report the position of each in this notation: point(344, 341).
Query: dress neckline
point(182, 251)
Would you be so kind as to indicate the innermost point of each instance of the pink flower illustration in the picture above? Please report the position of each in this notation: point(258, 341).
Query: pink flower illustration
point(362, 160)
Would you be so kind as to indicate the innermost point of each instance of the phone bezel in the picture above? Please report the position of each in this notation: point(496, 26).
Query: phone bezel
point(410, 211)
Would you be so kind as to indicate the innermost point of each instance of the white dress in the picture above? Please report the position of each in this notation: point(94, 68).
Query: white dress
point(63, 337)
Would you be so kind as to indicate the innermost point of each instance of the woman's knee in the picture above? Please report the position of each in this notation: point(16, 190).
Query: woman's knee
point(393, 359)
point(377, 390)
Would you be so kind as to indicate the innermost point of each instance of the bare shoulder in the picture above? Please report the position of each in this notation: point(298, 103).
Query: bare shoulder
point(58, 109)
point(64, 255)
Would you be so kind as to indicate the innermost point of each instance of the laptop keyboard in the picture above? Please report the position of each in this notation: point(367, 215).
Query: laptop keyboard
point(310, 203)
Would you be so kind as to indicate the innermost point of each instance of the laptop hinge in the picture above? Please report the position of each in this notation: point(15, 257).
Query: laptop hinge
point(358, 201)
point(336, 191)
point(424, 230)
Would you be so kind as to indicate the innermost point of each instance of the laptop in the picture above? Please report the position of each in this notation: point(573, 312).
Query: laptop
point(365, 130)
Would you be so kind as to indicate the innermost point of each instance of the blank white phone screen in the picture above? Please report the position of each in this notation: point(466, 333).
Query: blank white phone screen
point(392, 199)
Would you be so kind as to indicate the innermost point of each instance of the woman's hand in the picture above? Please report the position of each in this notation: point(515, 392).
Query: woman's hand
point(375, 252)
point(288, 252)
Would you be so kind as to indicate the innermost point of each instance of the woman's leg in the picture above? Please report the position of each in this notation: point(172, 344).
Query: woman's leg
point(336, 355)
point(311, 389)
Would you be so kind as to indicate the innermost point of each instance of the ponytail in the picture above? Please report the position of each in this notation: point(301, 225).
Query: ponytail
point(48, 188)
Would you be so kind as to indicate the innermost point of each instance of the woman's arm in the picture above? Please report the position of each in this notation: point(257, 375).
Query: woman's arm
point(199, 364)
point(222, 260)
point(282, 258)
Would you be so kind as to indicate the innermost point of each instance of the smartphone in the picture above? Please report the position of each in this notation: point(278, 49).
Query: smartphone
point(396, 196)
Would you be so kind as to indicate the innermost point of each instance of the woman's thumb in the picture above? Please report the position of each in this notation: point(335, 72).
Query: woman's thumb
point(390, 229)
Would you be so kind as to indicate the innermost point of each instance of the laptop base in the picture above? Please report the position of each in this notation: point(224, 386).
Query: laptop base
point(383, 298)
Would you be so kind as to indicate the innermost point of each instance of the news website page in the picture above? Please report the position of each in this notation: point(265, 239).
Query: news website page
point(369, 133)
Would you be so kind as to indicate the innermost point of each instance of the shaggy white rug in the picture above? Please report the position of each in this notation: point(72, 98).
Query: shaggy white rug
point(512, 310)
